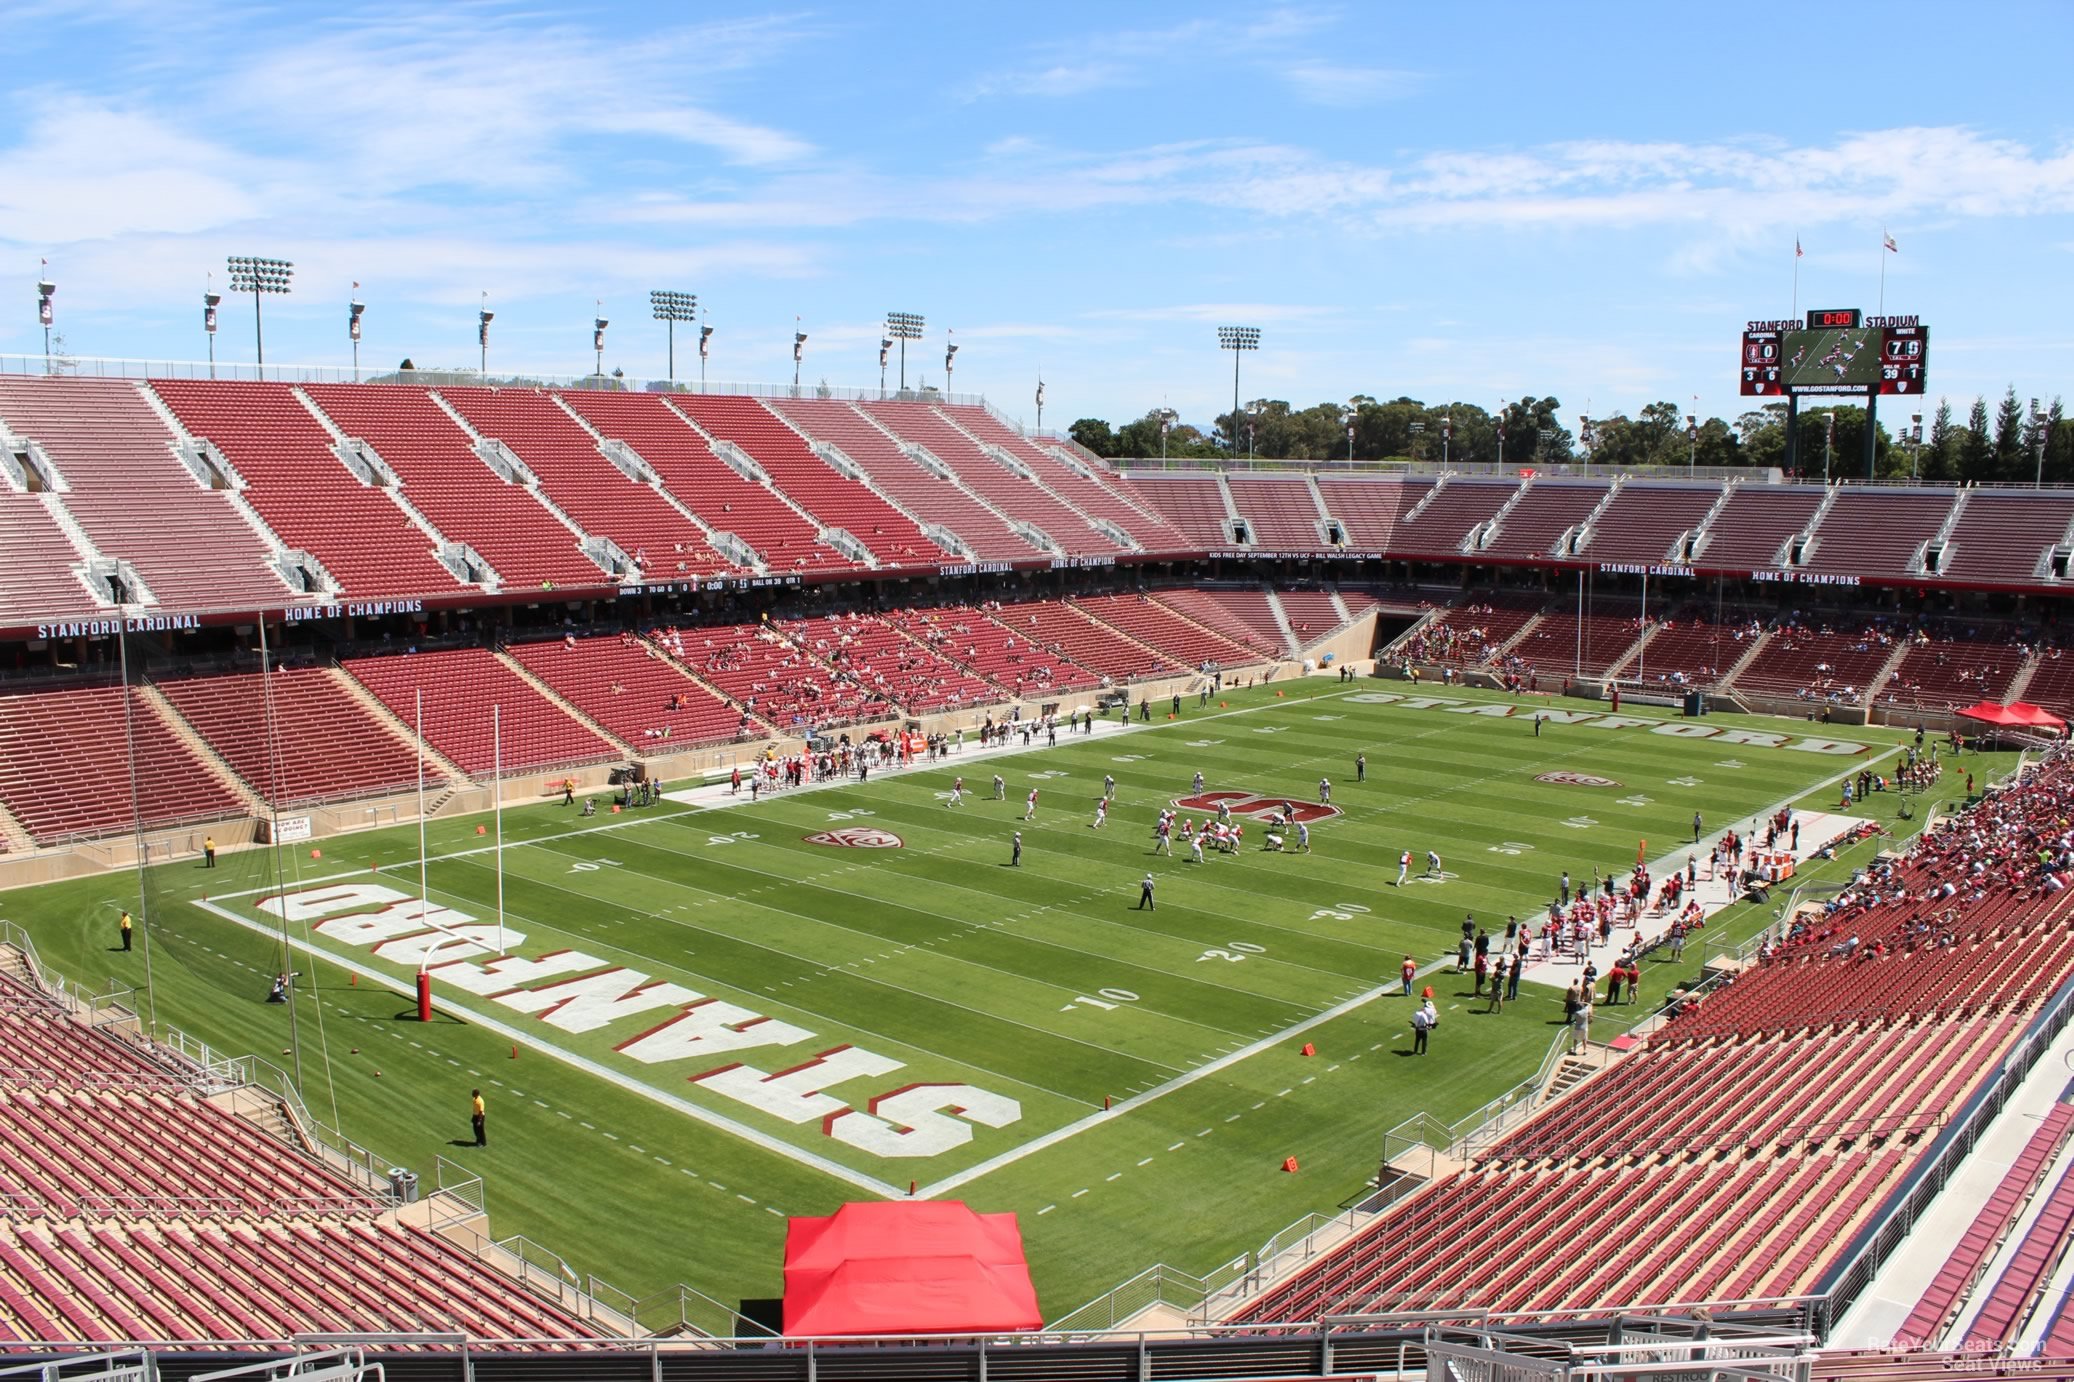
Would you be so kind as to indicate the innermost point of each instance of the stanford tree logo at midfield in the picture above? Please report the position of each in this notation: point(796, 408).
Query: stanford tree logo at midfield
point(856, 837)
point(1576, 780)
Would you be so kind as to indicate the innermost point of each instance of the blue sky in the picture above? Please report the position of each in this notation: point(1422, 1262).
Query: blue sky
point(1447, 201)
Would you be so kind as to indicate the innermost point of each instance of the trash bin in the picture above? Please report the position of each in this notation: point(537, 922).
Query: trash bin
point(403, 1185)
point(1695, 704)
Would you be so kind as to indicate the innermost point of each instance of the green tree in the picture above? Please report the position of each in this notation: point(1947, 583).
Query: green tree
point(1762, 434)
point(2012, 439)
point(1975, 453)
point(1094, 434)
point(1939, 460)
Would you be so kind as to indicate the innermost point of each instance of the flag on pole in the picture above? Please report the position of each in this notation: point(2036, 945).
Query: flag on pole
point(1888, 241)
point(1798, 252)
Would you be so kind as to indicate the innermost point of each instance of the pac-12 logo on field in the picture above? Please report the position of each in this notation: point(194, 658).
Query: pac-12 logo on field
point(855, 837)
point(1253, 804)
point(1576, 780)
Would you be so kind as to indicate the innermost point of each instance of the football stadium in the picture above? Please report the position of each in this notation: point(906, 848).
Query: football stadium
point(529, 874)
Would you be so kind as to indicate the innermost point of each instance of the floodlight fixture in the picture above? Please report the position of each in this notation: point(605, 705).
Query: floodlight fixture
point(1237, 340)
point(46, 313)
point(1167, 418)
point(705, 336)
point(671, 307)
point(598, 325)
point(483, 317)
point(885, 354)
point(950, 353)
point(904, 327)
point(799, 351)
point(259, 275)
point(1040, 403)
point(354, 309)
point(211, 300)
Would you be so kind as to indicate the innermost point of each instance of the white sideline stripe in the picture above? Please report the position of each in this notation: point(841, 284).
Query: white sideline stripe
point(504, 1030)
point(1058, 1135)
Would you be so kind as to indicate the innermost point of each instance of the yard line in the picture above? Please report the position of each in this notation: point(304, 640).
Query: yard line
point(1078, 1193)
point(1146, 1162)
point(1116, 1176)
point(1046, 1210)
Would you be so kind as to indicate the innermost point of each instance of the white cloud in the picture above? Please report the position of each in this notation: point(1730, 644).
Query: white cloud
point(1346, 88)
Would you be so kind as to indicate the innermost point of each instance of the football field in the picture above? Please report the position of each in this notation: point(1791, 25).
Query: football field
point(695, 1019)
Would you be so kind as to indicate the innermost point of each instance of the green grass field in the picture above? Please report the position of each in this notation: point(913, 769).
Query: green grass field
point(1041, 988)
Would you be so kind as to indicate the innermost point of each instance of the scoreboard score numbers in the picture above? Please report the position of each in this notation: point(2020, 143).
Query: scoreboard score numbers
point(1837, 351)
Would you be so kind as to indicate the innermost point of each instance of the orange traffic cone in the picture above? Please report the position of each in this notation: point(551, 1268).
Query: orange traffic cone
point(1309, 1049)
point(316, 854)
point(1289, 1163)
point(911, 1186)
point(1278, 695)
point(482, 830)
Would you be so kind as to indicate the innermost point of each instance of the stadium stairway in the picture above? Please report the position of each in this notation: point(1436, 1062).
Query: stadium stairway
point(564, 704)
point(435, 761)
point(1274, 602)
point(2021, 682)
point(1880, 679)
point(1741, 664)
point(14, 839)
point(219, 766)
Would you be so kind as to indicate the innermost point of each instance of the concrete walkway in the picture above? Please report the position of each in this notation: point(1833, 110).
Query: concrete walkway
point(1712, 892)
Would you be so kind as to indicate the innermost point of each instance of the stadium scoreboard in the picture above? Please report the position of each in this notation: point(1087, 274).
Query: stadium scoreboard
point(1835, 351)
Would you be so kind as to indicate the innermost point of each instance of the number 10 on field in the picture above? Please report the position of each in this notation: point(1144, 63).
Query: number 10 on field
point(1107, 1002)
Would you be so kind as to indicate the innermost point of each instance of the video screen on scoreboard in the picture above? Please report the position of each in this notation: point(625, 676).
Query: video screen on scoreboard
point(1875, 358)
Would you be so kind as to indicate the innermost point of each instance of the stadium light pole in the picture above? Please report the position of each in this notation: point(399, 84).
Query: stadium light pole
point(259, 276)
point(904, 327)
point(354, 309)
point(1040, 403)
point(1167, 418)
point(598, 325)
point(1237, 340)
point(211, 300)
point(1447, 434)
point(670, 308)
point(2038, 443)
point(1915, 443)
point(45, 312)
point(1418, 435)
point(885, 354)
point(1348, 413)
point(950, 353)
point(799, 350)
point(483, 317)
point(705, 337)
point(1692, 438)
point(1253, 412)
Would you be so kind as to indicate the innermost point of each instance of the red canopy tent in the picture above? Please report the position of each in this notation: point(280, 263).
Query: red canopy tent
point(907, 1267)
point(2017, 715)
point(2036, 716)
point(1992, 712)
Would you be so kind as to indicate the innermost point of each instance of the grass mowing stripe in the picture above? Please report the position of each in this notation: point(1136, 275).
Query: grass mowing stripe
point(761, 999)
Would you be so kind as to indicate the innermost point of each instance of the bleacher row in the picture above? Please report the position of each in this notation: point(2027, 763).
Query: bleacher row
point(1735, 1152)
point(201, 1225)
point(246, 495)
point(1898, 664)
point(303, 734)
